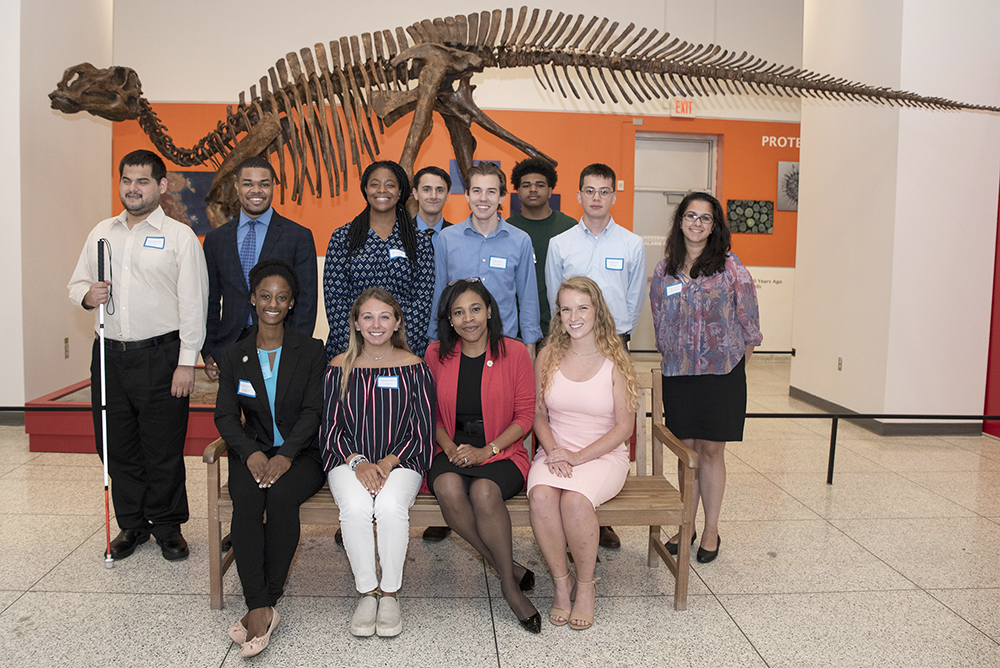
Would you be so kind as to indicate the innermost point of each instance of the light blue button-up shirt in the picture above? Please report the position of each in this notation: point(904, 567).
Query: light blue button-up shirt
point(261, 230)
point(504, 260)
point(615, 260)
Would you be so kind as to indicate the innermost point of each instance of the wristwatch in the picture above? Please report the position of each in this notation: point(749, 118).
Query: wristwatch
point(496, 450)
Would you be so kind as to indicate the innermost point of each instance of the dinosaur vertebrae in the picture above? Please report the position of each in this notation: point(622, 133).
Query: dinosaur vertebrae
point(644, 65)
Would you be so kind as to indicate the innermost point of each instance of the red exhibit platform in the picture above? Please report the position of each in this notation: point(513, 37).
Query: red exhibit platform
point(73, 430)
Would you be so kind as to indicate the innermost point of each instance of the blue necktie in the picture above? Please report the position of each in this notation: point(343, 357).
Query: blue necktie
point(248, 253)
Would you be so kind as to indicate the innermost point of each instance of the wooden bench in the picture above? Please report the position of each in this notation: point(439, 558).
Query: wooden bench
point(646, 500)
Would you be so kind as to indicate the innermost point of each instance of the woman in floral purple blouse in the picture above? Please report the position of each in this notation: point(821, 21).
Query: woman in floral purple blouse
point(707, 324)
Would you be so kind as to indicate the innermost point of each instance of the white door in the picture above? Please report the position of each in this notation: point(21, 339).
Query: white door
point(667, 167)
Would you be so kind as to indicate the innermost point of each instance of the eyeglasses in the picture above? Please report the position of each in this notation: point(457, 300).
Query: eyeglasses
point(470, 279)
point(603, 192)
point(691, 217)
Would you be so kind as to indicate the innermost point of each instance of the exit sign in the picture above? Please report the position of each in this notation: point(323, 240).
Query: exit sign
point(682, 108)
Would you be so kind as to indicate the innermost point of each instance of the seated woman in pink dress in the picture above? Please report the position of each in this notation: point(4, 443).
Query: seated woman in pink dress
point(587, 399)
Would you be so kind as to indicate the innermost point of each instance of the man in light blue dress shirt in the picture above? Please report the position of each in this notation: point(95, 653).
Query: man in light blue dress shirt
point(610, 255)
point(488, 247)
point(600, 249)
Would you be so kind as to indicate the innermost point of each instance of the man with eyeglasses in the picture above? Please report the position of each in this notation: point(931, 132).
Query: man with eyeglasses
point(605, 252)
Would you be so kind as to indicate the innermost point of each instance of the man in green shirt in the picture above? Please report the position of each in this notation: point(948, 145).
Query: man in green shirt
point(534, 179)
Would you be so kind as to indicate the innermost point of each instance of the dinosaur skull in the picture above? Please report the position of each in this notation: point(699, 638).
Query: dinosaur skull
point(112, 93)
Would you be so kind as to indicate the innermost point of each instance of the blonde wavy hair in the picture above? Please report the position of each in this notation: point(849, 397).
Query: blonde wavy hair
point(609, 344)
point(357, 341)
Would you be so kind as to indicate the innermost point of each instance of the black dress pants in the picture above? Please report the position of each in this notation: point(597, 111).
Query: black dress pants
point(146, 430)
point(264, 550)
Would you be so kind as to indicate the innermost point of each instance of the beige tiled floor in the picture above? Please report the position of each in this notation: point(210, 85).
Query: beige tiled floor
point(894, 565)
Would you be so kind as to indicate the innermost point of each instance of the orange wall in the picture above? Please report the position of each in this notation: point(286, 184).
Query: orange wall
point(747, 169)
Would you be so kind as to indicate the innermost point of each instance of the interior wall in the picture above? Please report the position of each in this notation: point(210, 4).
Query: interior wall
point(949, 167)
point(64, 185)
point(11, 336)
point(890, 277)
point(843, 274)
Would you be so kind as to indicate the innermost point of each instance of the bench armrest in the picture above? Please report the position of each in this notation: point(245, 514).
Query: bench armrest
point(213, 451)
point(687, 456)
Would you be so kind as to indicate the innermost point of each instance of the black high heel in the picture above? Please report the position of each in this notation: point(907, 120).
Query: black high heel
point(672, 547)
point(533, 623)
point(527, 582)
point(705, 556)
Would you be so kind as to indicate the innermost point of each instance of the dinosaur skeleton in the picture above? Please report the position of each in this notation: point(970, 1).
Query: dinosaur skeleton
point(294, 110)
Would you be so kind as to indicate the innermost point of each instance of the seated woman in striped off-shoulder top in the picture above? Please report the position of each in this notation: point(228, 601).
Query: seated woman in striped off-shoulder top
point(377, 437)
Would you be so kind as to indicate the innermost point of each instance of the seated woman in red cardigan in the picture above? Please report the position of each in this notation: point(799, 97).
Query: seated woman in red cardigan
point(485, 405)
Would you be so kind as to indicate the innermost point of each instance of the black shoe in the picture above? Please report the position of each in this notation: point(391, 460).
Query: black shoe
point(173, 546)
point(704, 556)
point(127, 540)
point(672, 547)
point(227, 543)
point(338, 538)
point(609, 538)
point(527, 582)
point(533, 623)
point(436, 534)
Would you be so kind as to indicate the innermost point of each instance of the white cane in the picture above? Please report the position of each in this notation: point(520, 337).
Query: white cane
point(108, 561)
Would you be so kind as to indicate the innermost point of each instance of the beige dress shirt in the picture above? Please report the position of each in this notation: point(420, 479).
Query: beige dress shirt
point(159, 281)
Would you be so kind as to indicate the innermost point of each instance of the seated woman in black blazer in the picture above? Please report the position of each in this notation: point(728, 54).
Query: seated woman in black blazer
point(274, 379)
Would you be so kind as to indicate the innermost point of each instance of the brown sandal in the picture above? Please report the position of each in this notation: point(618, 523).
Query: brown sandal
point(586, 621)
point(558, 616)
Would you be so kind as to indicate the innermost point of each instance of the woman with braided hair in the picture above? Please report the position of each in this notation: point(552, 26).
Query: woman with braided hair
point(380, 248)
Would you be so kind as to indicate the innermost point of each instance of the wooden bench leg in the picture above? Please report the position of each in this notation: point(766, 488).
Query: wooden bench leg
point(653, 560)
point(215, 565)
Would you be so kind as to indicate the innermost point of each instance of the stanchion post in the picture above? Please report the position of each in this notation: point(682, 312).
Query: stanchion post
point(833, 449)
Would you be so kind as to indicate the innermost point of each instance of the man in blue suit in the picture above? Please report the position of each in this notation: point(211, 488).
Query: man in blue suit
point(232, 250)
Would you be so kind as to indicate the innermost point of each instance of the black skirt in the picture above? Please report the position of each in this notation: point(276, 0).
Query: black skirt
point(504, 473)
point(710, 408)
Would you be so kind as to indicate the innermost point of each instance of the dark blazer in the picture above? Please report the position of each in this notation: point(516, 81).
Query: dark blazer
point(228, 296)
point(298, 401)
point(444, 224)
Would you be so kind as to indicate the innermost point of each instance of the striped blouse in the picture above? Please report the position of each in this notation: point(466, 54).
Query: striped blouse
point(385, 411)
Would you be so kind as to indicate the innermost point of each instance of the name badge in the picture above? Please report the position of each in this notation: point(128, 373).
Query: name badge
point(155, 242)
point(396, 253)
point(498, 262)
point(674, 289)
point(614, 263)
point(245, 389)
point(387, 382)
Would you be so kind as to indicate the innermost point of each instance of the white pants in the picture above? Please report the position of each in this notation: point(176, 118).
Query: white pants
point(390, 509)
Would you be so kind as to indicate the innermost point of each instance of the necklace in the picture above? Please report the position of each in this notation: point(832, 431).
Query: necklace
point(364, 352)
point(583, 354)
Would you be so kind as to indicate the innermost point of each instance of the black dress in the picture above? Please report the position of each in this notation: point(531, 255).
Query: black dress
point(469, 429)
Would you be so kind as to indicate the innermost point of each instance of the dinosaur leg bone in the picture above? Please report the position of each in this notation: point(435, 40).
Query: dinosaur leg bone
point(458, 104)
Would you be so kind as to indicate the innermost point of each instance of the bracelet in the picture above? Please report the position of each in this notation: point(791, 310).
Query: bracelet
point(356, 461)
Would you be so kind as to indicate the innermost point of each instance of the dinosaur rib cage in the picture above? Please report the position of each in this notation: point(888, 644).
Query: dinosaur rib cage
point(568, 53)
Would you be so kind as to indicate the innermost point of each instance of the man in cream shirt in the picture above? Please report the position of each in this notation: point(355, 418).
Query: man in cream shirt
point(155, 292)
